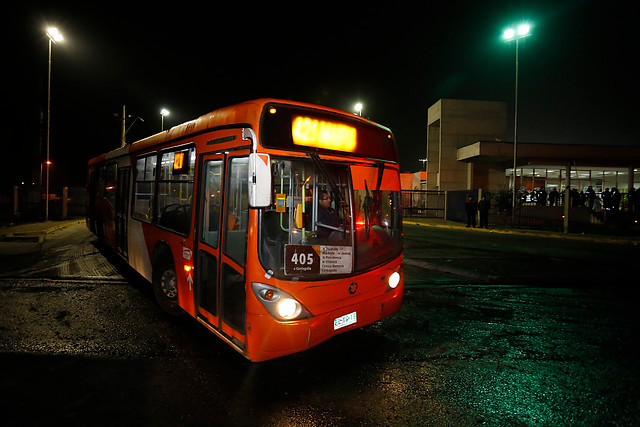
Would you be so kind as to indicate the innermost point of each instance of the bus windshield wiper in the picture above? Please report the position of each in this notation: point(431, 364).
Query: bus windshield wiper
point(371, 201)
point(340, 202)
point(322, 168)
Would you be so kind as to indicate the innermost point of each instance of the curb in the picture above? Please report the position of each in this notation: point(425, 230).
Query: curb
point(592, 237)
point(34, 232)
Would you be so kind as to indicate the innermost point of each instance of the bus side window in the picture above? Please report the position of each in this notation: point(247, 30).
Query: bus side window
point(175, 189)
point(213, 202)
point(144, 188)
point(235, 243)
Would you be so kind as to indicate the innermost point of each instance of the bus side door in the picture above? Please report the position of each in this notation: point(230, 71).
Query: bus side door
point(222, 245)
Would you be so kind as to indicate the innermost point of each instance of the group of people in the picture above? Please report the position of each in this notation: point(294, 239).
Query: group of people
point(474, 209)
point(610, 200)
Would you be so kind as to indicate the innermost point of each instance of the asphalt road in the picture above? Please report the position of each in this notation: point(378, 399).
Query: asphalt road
point(495, 329)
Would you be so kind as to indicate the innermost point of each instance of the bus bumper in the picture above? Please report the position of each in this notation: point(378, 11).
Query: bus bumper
point(268, 338)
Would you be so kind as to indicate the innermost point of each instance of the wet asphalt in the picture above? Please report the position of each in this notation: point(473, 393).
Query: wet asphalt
point(497, 327)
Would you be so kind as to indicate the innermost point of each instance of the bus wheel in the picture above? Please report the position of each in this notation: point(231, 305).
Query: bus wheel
point(165, 289)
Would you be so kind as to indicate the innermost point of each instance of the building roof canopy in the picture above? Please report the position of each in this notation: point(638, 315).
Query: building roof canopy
point(500, 154)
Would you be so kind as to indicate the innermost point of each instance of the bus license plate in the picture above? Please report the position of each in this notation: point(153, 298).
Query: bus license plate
point(346, 320)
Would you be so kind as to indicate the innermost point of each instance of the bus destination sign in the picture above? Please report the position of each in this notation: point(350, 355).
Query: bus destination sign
point(325, 259)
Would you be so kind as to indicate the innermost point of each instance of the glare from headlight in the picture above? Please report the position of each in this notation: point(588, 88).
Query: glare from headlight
point(394, 280)
point(288, 308)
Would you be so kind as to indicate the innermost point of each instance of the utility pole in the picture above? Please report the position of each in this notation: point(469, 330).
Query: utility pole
point(123, 140)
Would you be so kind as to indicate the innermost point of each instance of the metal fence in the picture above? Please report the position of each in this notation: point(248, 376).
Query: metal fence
point(29, 203)
point(528, 213)
point(424, 204)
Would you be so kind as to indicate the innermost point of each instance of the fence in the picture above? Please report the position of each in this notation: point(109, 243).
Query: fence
point(29, 203)
point(529, 212)
point(424, 204)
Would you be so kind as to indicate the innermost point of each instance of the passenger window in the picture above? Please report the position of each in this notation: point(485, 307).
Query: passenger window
point(237, 215)
point(175, 189)
point(212, 202)
point(144, 188)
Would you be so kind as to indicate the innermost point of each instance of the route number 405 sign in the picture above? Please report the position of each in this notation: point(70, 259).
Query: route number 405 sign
point(305, 259)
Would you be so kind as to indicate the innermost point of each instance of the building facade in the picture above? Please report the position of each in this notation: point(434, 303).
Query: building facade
point(466, 150)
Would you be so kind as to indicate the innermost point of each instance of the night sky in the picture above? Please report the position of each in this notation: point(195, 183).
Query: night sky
point(577, 79)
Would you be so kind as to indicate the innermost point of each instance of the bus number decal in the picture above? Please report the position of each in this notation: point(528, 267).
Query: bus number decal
point(301, 259)
point(305, 259)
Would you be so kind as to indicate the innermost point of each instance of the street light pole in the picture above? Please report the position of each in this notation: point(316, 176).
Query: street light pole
point(509, 35)
point(515, 136)
point(54, 36)
point(164, 112)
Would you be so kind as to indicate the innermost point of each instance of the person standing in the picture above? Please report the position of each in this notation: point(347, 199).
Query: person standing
point(542, 198)
point(471, 208)
point(606, 199)
point(553, 197)
point(616, 197)
point(591, 197)
point(483, 209)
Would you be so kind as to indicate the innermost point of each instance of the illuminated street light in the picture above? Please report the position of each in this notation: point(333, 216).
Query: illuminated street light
point(511, 34)
point(163, 113)
point(54, 34)
point(54, 37)
point(358, 108)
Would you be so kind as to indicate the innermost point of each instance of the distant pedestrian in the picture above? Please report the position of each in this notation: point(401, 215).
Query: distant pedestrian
point(616, 197)
point(542, 197)
point(553, 197)
point(483, 209)
point(471, 208)
point(591, 197)
point(634, 203)
point(576, 199)
point(606, 199)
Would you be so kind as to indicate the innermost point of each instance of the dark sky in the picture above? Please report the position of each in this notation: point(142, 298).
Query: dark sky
point(576, 78)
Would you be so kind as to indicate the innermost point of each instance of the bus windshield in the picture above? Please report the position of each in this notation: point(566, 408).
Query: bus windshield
point(322, 223)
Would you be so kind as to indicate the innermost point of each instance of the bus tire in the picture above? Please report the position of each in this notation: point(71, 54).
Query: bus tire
point(165, 288)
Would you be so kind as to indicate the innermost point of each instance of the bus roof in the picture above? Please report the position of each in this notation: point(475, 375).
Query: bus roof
point(246, 114)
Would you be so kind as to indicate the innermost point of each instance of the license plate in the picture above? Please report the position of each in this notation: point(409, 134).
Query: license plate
point(346, 320)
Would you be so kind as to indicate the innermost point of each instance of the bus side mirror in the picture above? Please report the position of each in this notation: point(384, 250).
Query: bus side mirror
point(259, 180)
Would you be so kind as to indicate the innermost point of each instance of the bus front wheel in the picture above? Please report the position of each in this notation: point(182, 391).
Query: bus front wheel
point(165, 289)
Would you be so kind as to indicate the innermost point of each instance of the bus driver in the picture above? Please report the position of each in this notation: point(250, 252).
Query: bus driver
point(327, 216)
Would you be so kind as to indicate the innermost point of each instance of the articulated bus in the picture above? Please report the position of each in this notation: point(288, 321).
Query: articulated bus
point(275, 224)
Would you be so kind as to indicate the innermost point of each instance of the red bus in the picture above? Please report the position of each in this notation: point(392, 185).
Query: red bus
point(276, 224)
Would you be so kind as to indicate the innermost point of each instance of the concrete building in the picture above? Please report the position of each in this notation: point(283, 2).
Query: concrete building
point(466, 150)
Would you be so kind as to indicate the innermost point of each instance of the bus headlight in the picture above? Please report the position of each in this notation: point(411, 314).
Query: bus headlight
point(394, 280)
point(279, 303)
point(288, 308)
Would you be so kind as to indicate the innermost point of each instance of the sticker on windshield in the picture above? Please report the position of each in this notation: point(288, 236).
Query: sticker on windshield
point(305, 259)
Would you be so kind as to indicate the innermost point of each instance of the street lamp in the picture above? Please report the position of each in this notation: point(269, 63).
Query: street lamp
point(358, 108)
point(163, 113)
point(511, 34)
point(54, 37)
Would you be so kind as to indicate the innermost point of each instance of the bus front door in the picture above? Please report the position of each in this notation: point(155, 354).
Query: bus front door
point(222, 233)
